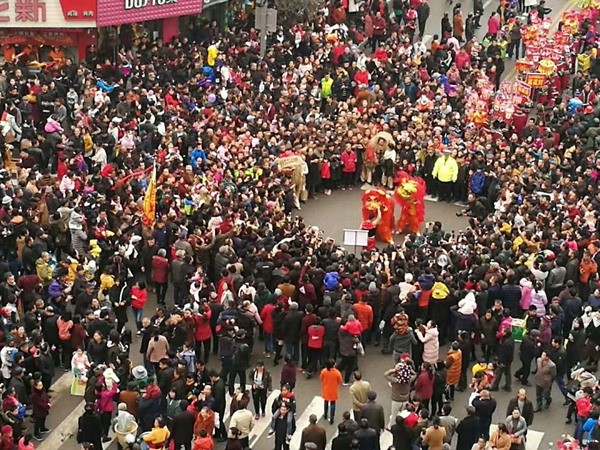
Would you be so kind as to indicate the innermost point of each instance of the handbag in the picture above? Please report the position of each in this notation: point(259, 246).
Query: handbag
point(516, 440)
point(360, 349)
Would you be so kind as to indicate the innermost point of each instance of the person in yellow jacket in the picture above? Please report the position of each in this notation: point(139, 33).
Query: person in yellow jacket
point(157, 438)
point(326, 85)
point(445, 171)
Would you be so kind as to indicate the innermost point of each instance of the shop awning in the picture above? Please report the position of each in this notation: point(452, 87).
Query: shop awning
point(59, 38)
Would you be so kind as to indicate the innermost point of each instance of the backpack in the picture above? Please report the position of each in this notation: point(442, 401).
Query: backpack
point(64, 330)
point(21, 412)
point(331, 280)
point(477, 182)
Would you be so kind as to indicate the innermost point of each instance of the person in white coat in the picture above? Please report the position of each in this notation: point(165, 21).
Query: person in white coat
point(429, 337)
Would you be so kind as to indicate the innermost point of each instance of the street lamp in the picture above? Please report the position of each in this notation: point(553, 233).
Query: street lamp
point(265, 21)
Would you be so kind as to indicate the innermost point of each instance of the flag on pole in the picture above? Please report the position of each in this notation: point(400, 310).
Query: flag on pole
point(150, 201)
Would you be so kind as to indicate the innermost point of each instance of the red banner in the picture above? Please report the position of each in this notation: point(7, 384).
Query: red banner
point(78, 9)
point(523, 88)
point(39, 37)
point(535, 80)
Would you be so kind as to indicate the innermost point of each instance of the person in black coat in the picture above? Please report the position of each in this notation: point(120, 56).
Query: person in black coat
point(18, 384)
point(50, 331)
point(278, 331)
point(343, 439)
point(466, 347)
point(403, 436)
point(505, 353)
point(468, 430)
point(524, 405)
point(182, 427)
point(292, 324)
point(219, 390)
point(281, 428)
point(367, 437)
point(88, 425)
point(485, 406)
point(527, 353)
point(241, 362)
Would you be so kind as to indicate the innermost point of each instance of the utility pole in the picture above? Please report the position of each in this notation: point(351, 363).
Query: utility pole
point(265, 21)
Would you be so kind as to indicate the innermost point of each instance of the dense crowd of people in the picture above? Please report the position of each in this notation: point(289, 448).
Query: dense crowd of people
point(237, 275)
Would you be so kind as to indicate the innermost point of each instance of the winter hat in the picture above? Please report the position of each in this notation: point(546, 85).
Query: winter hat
point(408, 278)
point(139, 372)
point(372, 287)
point(403, 374)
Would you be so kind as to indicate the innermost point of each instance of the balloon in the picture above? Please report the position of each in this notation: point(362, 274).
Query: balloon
point(212, 98)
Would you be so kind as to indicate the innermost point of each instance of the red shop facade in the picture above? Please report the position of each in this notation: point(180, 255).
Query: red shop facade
point(70, 24)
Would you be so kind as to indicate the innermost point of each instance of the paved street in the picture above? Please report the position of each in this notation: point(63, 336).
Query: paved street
point(333, 214)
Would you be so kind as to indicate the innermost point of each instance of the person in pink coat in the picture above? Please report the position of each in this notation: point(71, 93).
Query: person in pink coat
point(494, 24)
point(348, 158)
point(429, 335)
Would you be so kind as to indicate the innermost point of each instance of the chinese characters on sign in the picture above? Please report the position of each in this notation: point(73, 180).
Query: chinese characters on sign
point(524, 89)
point(139, 4)
point(535, 80)
point(30, 11)
point(24, 11)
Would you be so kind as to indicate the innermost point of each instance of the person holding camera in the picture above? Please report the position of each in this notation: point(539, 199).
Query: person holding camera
point(476, 210)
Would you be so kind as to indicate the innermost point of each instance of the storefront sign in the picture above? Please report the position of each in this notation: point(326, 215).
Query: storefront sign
point(535, 80)
point(523, 88)
point(208, 3)
point(47, 13)
point(79, 9)
point(59, 38)
point(117, 12)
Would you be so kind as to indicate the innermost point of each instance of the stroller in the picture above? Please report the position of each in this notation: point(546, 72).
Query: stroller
point(580, 379)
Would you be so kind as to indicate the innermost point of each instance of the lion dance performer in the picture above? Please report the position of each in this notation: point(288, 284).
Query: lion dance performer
point(410, 195)
point(378, 216)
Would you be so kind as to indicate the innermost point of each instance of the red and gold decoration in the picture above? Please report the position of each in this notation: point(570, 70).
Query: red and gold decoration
point(410, 195)
point(378, 213)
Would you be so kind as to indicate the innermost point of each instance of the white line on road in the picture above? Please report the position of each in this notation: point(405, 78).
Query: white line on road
point(261, 425)
point(534, 438)
point(64, 431)
point(314, 407)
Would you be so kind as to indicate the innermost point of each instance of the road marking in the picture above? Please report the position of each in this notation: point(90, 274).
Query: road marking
point(261, 425)
point(314, 407)
point(386, 440)
point(61, 386)
point(534, 438)
point(488, 3)
point(64, 431)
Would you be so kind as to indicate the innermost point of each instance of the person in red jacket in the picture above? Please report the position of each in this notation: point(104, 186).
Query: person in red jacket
point(203, 333)
point(268, 327)
point(364, 314)
point(160, 275)
point(348, 159)
point(8, 440)
point(138, 300)
point(41, 408)
point(309, 318)
point(424, 384)
point(316, 334)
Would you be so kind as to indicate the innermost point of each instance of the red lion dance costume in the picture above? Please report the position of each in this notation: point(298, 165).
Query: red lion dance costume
point(378, 216)
point(410, 195)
